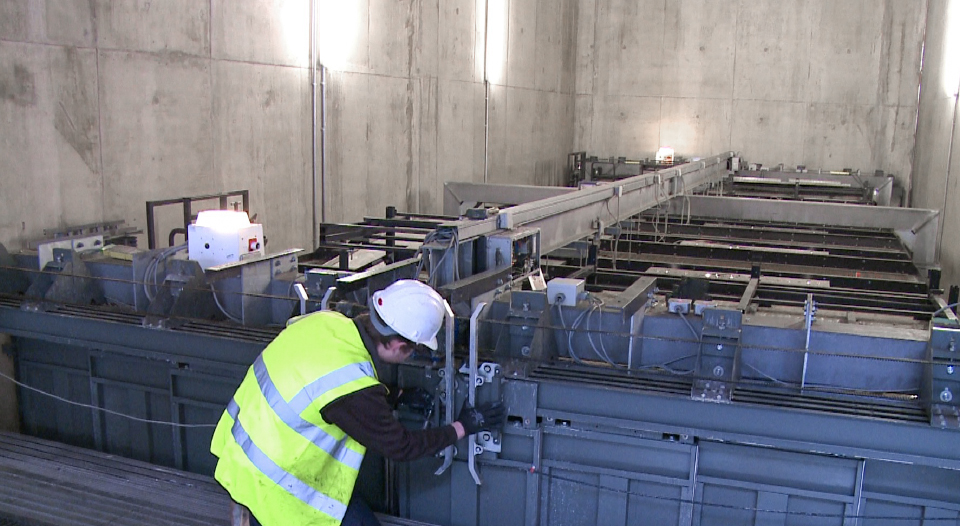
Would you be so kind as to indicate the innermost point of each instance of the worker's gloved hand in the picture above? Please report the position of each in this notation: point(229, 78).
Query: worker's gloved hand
point(415, 399)
point(487, 416)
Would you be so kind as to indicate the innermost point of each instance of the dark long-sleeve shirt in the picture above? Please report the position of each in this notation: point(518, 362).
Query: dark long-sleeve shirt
point(367, 417)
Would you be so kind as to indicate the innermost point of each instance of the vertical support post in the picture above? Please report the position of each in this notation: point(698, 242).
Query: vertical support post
point(151, 228)
point(448, 394)
point(472, 389)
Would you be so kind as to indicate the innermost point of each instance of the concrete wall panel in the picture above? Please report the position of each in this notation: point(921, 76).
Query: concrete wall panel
point(699, 55)
point(626, 126)
point(156, 126)
point(460, 132)
point(696, 126)
point(66, 22)
point(458, 44)
point(769, 132)
point(259, 130)
point(896, 140)
point(50, 148)
point(845, 58)
point(522, 117)
point(636, 58)
point(266, 31)
point(428, 110)
point(773, 49)
point(521, 48)
point(570, 12)
point(937, 113)
point(583, 123)
point(426, 30)
point(902, 35)
point(839, 135)
point(499, 168)
point(143, 25)
point(390, 43)
point(389, 178)
point(347, 157)
point(587, 46)
point(549, 48)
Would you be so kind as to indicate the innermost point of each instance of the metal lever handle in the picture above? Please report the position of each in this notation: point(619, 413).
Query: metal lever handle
point(448, 396)
point(473, 449)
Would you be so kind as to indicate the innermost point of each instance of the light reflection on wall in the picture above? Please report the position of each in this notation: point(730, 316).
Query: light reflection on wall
point(338, 22)
point(337, 25)
point(497, 40)
point(295, 22)
point(951, 50)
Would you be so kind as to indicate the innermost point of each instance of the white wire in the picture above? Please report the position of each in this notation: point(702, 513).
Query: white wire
point(220, 306)
point(105, 410)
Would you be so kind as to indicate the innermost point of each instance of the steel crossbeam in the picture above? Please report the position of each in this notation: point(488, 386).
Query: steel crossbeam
point(570, 216)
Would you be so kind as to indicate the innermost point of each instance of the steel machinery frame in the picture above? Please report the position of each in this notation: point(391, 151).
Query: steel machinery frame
point(667, 355)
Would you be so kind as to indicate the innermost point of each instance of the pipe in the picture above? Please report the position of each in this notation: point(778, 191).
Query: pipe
point(486, 93)
point(313, 122)
point(323, 143)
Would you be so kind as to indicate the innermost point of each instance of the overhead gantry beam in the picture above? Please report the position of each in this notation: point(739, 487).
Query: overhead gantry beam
point(576, 214)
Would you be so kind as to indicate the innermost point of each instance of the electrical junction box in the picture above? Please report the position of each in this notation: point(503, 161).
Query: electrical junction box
point(564, 291)
point(223, 236)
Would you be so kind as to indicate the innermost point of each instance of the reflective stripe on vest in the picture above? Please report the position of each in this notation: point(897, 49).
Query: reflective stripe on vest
point(279, 476)
point(290, 412)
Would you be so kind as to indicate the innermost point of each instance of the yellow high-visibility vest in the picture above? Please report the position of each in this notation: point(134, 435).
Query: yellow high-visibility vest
point(277, 456)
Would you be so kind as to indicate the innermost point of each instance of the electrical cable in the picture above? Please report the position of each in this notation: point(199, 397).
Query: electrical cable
point(150, 272)
point(216, 299)
point(103, 409)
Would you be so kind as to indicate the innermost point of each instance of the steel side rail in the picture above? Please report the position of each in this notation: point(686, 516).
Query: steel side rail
point(571, 216)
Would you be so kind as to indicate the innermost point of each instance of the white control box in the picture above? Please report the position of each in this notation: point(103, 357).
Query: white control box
point(223, 236)
point(564, 291)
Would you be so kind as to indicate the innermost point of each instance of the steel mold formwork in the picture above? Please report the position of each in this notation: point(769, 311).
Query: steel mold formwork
point(582, 447)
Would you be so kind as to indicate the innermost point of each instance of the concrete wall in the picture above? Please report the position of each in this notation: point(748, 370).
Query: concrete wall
point(937, 160)
point(407, 106)
point(822, 83)
point(105, 104)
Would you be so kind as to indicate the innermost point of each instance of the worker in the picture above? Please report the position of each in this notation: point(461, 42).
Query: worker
point(292, 438)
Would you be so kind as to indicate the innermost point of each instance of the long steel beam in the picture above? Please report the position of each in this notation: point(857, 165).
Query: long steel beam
point(455, 194)
point(916, 228)
point(566, 218)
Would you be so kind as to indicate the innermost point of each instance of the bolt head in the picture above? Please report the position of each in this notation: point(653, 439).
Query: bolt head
point(946, 396)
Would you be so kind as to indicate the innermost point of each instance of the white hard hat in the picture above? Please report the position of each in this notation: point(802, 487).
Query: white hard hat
point(412, 309)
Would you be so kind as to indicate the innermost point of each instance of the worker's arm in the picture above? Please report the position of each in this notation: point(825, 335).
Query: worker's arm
point(366, 416)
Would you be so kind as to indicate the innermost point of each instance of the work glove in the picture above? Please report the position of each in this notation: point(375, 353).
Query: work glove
point(487, 416)
point(415, 399)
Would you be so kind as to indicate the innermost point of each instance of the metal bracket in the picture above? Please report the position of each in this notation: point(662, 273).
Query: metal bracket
point(486, 372)
point(945, 416)
point(711, 391)
point(487, 442)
